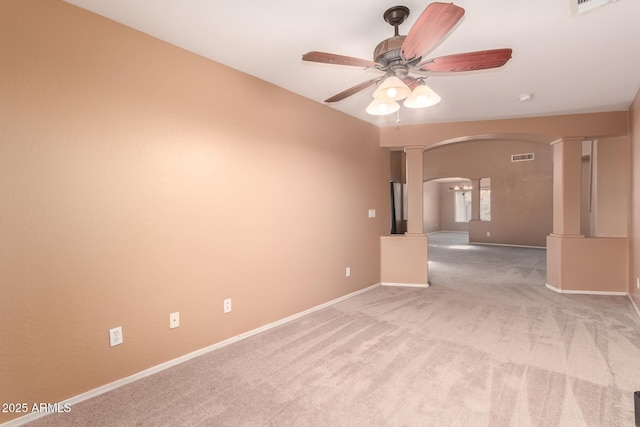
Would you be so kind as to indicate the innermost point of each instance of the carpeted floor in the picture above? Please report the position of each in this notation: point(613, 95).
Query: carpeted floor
point(486, 345)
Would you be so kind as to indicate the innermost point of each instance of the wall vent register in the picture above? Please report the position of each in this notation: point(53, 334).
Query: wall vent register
point(582, 6)
point(522, 157)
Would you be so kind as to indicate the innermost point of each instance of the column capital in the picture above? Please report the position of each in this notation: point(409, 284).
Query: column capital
point(414, 147)
point(569, 139)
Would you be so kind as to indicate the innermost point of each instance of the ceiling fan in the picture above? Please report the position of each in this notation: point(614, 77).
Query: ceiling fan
point(401, 59)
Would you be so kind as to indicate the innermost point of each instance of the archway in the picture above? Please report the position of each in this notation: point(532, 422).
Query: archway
point(563, 133)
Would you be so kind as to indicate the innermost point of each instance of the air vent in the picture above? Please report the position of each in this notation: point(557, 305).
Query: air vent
point(521, 157)
point(582, 6)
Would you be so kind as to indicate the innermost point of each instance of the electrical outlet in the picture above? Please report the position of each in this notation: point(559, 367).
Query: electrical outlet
point(174, 320)
point(115, 336)
point(227, 305)
point(372, 213)
point(637, 282)
point(488, 234)
point(347, 272)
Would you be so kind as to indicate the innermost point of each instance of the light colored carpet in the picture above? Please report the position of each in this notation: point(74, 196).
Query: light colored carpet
point(486, 345)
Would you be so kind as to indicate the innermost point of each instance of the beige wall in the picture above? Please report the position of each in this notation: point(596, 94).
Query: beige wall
point(447, 210)
point(597, 264)
point(521, 192)
point(404, 260)
point(604, 207)
point(540, 129)
point(439, 209)
point(431, 207)
point(611, 190)
point(398, 166)
point(134, 183)
point(634, 265)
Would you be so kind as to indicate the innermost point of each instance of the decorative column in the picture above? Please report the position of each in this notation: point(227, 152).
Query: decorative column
point(566, 260)
point(414, 190)
point(567, 175)
point(404, 258)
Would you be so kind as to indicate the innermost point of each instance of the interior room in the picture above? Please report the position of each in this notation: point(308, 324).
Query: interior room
point(210, 215)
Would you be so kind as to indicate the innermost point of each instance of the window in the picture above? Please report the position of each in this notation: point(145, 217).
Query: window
point(462, 206)
point(485, 199)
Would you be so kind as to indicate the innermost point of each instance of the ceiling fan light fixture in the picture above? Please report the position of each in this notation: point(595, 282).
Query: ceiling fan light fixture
point(380, 107)
point(421, 97)
point(392, 89)
point(401, 58)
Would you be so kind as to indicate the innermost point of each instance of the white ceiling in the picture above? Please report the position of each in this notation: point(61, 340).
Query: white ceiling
point(571, 63)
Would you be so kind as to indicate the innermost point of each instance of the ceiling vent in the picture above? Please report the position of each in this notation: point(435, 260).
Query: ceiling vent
point(522, 157)
point(582, 6)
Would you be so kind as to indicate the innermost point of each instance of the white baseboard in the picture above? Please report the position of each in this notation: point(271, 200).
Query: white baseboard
point(405, 285)
point(448, 231)
point(161, 367)
point(633, 303)
point(508, 245)
point(578, 292)
point(488, 243)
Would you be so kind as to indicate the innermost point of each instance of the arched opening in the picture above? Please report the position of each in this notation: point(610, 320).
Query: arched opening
point(478, 241)
point(522, 214)
point(520, 192)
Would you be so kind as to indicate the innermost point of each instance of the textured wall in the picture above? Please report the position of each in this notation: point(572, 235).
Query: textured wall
point(634, 267)
point(612, 188)
point(431, 207)
point(545, 129)
point(135, 183)
point(447, 209)
point(521, 192)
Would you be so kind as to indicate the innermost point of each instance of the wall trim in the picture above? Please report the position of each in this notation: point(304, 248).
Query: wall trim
point(161, 367)
point(579, 292)
point(405, 285)
point(487, 243)
point(508, 245)
point(633, 303)
point(448, 231)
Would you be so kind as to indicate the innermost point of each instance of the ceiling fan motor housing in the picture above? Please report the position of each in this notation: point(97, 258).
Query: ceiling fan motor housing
point(389, 50)
point(388, 53)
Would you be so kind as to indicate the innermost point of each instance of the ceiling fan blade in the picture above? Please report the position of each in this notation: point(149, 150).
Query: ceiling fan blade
point(331, 58)
point(412, 82)
point(431, 27)
point(353, 90)
point(470, 61)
